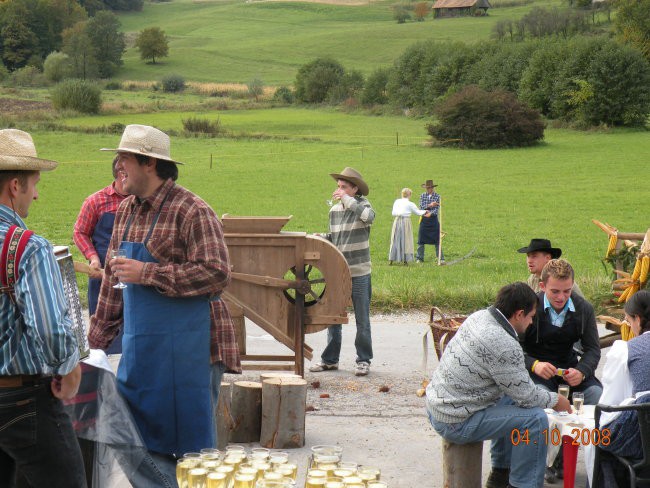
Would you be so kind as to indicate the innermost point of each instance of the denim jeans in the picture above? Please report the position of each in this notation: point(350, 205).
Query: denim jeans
point(36, 436)
point(159, 470)
point(527, 461)
point(419, 255)
point(361, 293)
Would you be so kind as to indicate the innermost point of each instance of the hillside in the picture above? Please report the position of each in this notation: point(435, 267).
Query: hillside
point(236, 41)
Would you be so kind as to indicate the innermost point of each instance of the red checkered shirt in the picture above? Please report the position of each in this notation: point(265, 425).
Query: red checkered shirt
point(104, 201)
point(189, 246)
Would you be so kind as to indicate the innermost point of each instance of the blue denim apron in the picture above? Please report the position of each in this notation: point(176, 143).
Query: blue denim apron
point(164, 372)
point(101, 238)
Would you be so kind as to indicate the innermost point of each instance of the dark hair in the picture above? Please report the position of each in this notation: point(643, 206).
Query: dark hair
point(515, 296)
point(639, 306)
point(164, 169)
point(115, 160)
point(22, 177)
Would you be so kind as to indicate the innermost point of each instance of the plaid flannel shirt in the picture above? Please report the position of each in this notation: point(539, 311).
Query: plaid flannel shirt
point(426, 199)
point(189, 246)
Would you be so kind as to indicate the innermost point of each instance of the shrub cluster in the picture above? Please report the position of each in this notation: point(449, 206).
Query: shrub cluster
point(586, 80)
point(197, 126)
point(173, 83)
point(475, 118)
point(80, 95)
point(325, 80)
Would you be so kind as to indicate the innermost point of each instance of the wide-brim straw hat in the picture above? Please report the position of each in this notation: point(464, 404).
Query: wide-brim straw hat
point(18, 153)
point(145, 140)
point(543, 245)
point(428, 184)
point(354, 177)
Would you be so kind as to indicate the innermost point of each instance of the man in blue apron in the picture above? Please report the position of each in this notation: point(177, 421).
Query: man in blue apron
point(429, 231)
point(178, 336)
point(92, 234)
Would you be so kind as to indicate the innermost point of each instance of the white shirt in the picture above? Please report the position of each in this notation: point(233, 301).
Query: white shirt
point(403, 207)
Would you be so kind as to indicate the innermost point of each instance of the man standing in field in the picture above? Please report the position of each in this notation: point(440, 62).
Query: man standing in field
point(481, 390)
point(538, 253)
point(429, 231)
point(39, 354)
point(349, 222)
point(178, 335)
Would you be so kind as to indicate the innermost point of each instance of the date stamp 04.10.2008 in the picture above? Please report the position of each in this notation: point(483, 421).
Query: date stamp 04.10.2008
point(578, 437)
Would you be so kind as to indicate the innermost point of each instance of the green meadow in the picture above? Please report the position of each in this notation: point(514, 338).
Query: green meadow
point(493, 201)
point(236, 41)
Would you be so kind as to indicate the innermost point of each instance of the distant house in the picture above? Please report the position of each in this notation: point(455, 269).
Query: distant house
point(456, 8)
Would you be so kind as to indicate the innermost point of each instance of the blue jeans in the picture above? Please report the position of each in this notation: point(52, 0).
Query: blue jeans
point(419, 255)
point(36, 436)
point(159, 470)
point(361, 293)
point(526, 462)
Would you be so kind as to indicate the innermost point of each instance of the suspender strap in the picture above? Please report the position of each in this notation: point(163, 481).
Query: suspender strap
point(13, 248)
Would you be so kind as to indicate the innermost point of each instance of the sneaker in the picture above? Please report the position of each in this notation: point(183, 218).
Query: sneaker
point(549, 476)
point(498, 478)
point(363, 368)
point(318, 367)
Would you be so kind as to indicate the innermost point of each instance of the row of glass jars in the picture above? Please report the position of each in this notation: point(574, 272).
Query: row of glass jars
point(326, 469)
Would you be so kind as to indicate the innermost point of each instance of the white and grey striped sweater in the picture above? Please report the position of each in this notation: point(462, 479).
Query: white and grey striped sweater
point(350, 222)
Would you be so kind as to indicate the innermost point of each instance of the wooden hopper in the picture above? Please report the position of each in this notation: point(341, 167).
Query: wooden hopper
point(288, 283)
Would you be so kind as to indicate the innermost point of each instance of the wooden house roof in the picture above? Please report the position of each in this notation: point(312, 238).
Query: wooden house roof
point(461, 4)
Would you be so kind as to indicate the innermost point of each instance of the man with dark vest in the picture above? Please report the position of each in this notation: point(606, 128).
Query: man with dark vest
point(178, 335)
point(39, 355)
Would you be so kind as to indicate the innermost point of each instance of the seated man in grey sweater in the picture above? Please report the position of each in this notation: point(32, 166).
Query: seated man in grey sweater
point(481, 390)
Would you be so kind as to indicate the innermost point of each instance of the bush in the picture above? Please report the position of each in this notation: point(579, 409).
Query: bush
point(350, 86)
point(113, 85)
point(315, 80)
point(283, 94)
point(475, 118)
point(173, 84)
point(195, 126)
point(80, 95)
point(374, 91)
point(28, 76)
point(57, 66)
point(255, 88)
point(401, 14)
point(4, 72)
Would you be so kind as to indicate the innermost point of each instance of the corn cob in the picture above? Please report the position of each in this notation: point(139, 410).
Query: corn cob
point(637, 269)
point(611, 246)
point(645, 266)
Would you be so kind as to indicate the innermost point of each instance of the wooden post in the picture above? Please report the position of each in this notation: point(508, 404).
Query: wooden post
point(276, 374)
point(461, 464)
point(224, 418)
point(246, 407)
point(283, 413)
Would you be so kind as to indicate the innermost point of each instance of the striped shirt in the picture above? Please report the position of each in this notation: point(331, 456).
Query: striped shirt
point(192, 260)
point(350, 222)
point(36, 336)
point(104, 201)
point(426, 199)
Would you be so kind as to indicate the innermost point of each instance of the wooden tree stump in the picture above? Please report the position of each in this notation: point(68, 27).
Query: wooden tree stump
point(277, 374)
point(283, 412)
point(461, 464)
point(225, 422)
point(246, 409)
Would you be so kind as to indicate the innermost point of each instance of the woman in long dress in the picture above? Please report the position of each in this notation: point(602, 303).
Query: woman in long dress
point(626, 380)
point(401, 237)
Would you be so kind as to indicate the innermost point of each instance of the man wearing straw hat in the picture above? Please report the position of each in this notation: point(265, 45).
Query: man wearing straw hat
point(38, 350)
point(429, 231)
point(178, 335)
point(349, 221)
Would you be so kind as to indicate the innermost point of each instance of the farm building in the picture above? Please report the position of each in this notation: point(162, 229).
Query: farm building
point(456, 8)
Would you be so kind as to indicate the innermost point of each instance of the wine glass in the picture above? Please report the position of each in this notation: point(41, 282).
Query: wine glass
point(118, 253)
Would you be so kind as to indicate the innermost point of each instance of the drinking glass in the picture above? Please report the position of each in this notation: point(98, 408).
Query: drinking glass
point(244, 480)
point(217, 480)
point(281, 483)
point(334, 482)
point(563, 390)
point(312, 482)
point(260, 453)
point(578, 401)
point(118, 253)
point(290, 470)
point(182, 468)
point(368, 473)
point(377, 484)
point(197, 478)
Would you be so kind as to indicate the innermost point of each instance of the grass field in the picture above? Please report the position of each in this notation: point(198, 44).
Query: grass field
point(236, 41)
point(493, 201)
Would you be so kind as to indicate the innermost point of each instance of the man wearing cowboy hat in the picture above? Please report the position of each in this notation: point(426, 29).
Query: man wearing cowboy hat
point(350, 220)
point(178, 335)
point(429, 231)
point(39, 355)
point(538, 253)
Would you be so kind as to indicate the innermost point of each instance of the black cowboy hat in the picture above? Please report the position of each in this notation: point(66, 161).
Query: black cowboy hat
point(542, 245)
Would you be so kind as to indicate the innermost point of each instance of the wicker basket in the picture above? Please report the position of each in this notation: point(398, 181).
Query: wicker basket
point(443, 328)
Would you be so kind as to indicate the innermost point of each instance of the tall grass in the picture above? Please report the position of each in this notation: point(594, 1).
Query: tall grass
point(493, 201)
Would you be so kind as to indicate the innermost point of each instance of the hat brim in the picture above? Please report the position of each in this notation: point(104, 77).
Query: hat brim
point(358, 182)
point(555, 252)
point(26, 163)
point(424, 185)
point(142, 153)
